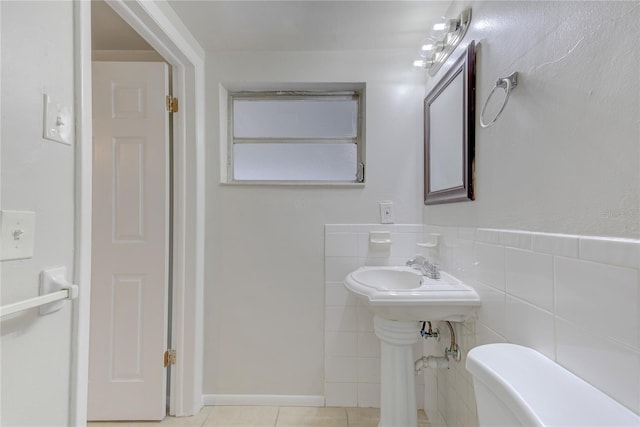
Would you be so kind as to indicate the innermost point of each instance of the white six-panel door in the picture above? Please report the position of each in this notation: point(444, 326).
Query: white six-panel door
point(127, 377)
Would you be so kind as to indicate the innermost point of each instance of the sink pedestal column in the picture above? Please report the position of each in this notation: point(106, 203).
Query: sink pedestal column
point(397, 379)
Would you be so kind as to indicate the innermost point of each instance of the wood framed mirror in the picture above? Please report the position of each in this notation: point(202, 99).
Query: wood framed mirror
point(449, 133)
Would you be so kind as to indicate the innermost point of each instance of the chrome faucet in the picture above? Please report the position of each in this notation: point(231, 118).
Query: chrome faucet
point(432, 271)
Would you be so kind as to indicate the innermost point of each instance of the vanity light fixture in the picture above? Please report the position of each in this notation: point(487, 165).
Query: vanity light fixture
point(442, 41)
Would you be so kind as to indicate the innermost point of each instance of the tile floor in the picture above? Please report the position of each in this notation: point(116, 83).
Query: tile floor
point(270, 416)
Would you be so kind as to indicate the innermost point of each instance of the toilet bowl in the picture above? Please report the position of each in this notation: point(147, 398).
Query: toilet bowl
point(517, 386)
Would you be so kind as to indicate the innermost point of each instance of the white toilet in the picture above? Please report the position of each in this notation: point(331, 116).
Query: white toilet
point(517, 386)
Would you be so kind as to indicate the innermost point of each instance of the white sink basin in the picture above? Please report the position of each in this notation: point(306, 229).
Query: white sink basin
point(389, 278)
point(401, 293)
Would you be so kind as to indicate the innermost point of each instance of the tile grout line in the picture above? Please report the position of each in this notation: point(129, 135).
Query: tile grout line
point(207, 417)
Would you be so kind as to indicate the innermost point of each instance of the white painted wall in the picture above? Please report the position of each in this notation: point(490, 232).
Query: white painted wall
point(37, 175)
point(563, 158)
point(264, 292)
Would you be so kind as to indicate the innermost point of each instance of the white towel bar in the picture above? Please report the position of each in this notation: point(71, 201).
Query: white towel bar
point(34, 302)
point(54, 290)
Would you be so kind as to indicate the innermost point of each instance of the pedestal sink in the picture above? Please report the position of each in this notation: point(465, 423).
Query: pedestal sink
point(400, 297)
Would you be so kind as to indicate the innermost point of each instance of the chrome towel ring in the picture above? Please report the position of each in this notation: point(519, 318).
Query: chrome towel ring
point(506, 83)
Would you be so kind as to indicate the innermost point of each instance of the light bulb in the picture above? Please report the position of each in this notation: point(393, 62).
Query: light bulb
point(448, 25)
point(441, 29)
point(422, 63)
point(430, 47)
point(440, 26)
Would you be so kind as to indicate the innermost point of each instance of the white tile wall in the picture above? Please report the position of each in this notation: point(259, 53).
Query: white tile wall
point(489, 264)
point(598, 296)
point(352, 350)
point(555, 244)
point(573, 298)
point(622, 252)
point(530, 326)
point(529, 276)
point(493, 309)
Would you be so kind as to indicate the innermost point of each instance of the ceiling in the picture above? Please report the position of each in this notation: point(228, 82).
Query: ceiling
point(268, 25)
point(110, 32)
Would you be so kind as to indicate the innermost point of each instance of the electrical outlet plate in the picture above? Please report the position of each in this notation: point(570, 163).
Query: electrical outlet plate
point(18, 229)
point(386, 212)
point(58, 121)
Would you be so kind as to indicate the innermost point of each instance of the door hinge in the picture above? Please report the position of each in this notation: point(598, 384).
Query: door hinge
point(172, 104)
point(169, 357)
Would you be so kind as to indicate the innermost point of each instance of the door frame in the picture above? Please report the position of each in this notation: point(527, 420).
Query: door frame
point(163, 30)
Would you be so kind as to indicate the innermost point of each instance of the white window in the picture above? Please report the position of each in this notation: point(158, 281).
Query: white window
point(304, 137)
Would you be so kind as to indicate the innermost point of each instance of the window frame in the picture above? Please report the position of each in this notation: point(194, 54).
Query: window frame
point(267, 95)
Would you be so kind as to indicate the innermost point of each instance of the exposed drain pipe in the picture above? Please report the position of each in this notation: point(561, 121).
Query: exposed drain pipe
point(436, 362)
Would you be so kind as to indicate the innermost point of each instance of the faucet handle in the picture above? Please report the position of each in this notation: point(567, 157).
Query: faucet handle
point(435, 271)
point(418, 259)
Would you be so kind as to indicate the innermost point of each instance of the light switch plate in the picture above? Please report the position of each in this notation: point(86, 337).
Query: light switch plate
point(58, 121)
point(18, 228)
